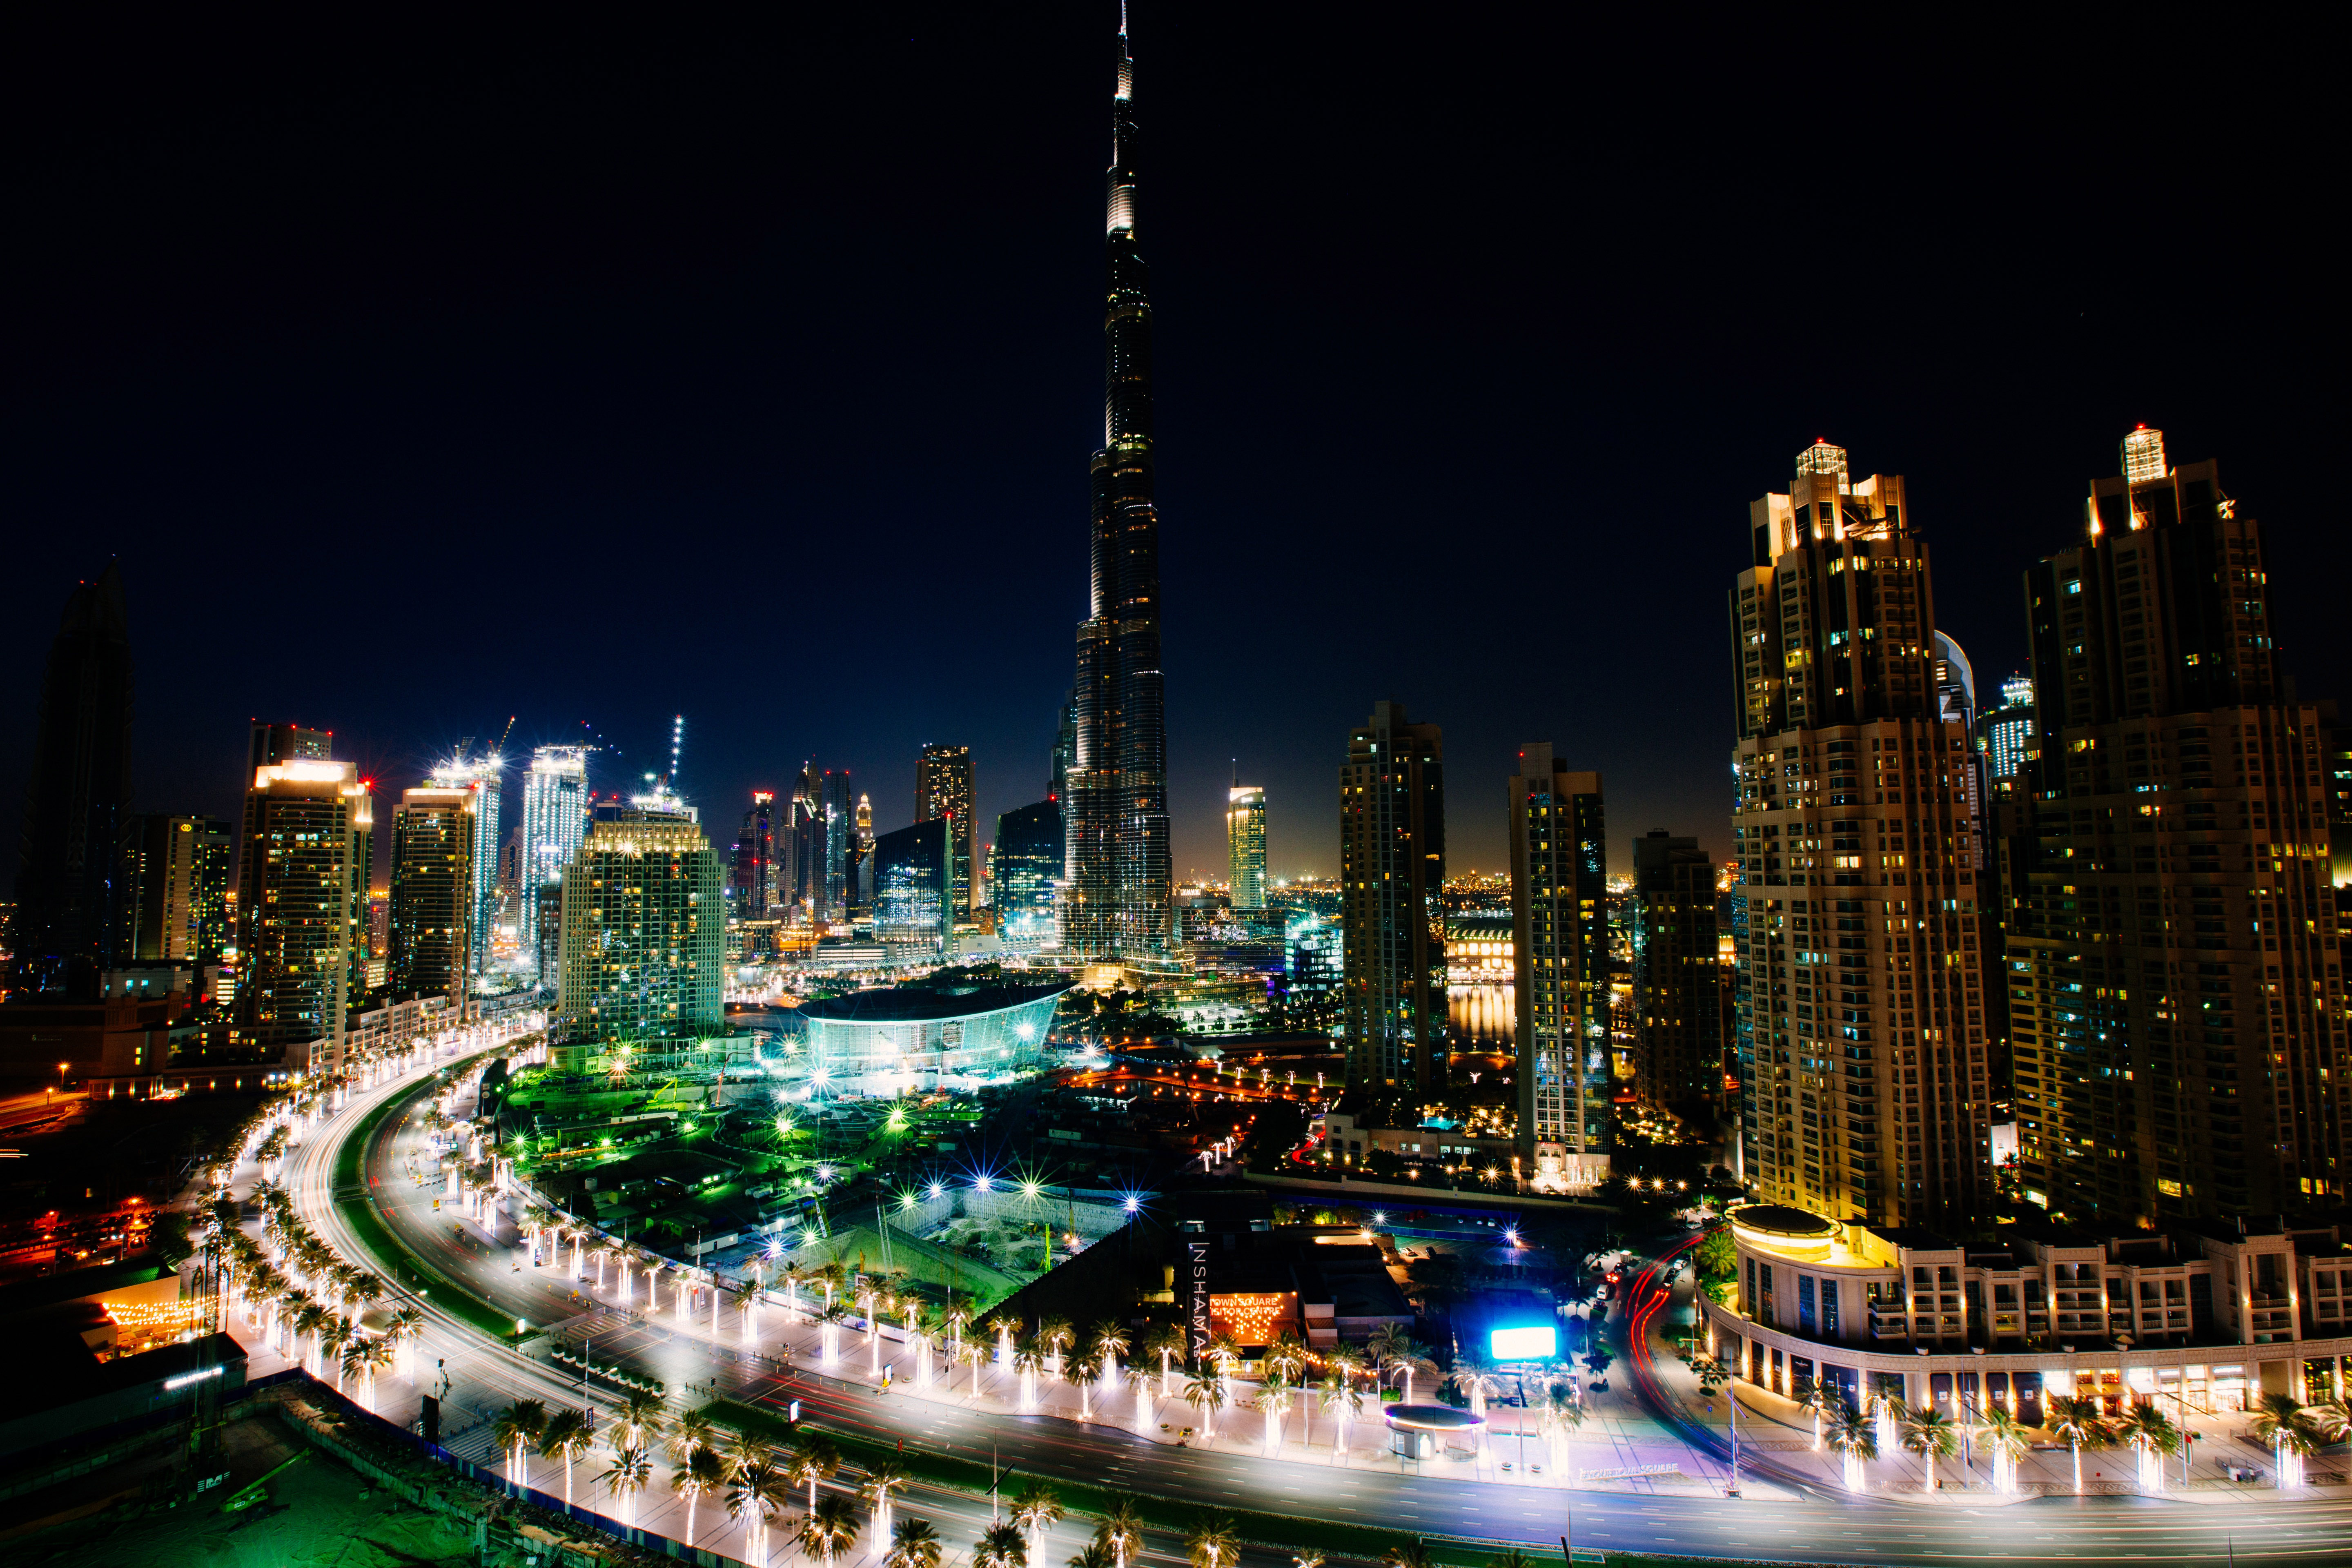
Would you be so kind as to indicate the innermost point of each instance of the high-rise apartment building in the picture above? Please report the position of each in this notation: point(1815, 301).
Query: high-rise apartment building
point(555, 802)
point(753, 878)
point(1026, 867)
point(1116, 807)
point(944, 787)
point(304, 850)
point(78, 798)
point(2177, 1026)
point(644, 939)
point(172, 892)
point(433, 883)
point(479, 775)
point(1864, 1084)
point(1560, 957)
point(1393, 902)
point(2005, 735)
point(1678, 981)
point(1065, 750)
point(1245, 845)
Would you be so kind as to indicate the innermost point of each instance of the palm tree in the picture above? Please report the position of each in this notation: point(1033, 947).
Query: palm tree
point(1342, 1401)
point(567, 1437)
point(1475, 1381)
point(2006, 1435)
point(1165, 1343)
point(883, 1477)
point(747, 1298)
point(1559, 1417)
point(829, 1321)
point(693, 1430)
point(1273, 1400)
point(407, 1325)
point(2329, 1419)
point(1410, 1362)
point(2280, 1423)
point(1121, 1529)
point(1054, 1334)
point(1408, 1555)
point(703, 1472)
point(1109, 1341)
point(755, 1493)
point(1037, 1508)
point(1029, 1359)
point(1213, 1540)
point(1931, 1435)
point(1510, 1557)
point(830, 1530)
point(1225, 1353)
point(1001, 1546)
point(1285, 1358)
point(2153, 1436)
point(1204, 1395)
point(367, 1355)
point(976, 1355)
point(626, 1478)
point(1387, 1340)
point(813, 1460)
point(1813, 1400)
point(311, 1318)
point(1853, 1438)
point(1093, 1554)
point(913, 1544)
point(639, 1417)
point(333, 1335)
point(2079, 1424)
point(917, 1315)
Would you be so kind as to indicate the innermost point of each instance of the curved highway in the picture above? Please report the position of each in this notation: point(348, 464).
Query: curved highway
point(1820, 1526)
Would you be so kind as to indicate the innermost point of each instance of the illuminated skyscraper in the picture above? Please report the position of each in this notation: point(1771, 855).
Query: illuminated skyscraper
point(433, 882)
point(480, 777)
point(172, 890)
point(912, 904)
point(2177, 1010)
point(305, 846)
point(840, 815)
point(1245, 846)
point(1392, 903)
point(1116, 810)
point(2005, 735)
point(1559, 936)
point(944, 787)
point(1862, 1031)
point(79, 797)
point(644, 939)
point(1027, 864)
point(554, 818)
point(754, 878)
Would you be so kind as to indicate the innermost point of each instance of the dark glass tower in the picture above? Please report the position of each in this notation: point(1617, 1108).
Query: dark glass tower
point(1116, 814)
point(75, 807)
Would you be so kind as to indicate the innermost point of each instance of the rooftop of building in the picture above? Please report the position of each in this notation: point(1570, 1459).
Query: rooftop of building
point(924, 1004)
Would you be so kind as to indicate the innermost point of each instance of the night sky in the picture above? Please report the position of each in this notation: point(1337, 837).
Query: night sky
point(595, 373)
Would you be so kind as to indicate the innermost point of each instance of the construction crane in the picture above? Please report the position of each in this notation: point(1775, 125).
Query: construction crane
point(499, 750)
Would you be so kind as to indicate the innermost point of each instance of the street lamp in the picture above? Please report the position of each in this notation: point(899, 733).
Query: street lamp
point(62, 1084)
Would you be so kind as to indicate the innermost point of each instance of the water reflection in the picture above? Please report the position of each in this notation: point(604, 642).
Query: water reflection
point(1482, 1014)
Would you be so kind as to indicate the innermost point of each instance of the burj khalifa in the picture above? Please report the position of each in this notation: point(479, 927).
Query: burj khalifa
point(1115, 899)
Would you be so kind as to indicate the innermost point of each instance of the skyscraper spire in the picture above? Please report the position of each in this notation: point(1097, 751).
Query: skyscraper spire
point(1116, 899)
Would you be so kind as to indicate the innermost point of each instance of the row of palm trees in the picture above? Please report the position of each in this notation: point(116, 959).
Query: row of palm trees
point(2293, 1430)
point(292, 1282)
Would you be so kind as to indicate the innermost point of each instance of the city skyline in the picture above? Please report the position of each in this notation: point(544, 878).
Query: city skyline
point(1020, 184)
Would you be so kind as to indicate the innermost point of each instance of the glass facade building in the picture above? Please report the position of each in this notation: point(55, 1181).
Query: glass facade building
point(912, 907)
point(1026, 867)
point(481, 775)
point(172, 890)
point(917, 1039)
point(1245, 846)
point(554, 818)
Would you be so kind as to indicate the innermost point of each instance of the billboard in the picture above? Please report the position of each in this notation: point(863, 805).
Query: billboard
point(1539, 1344)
